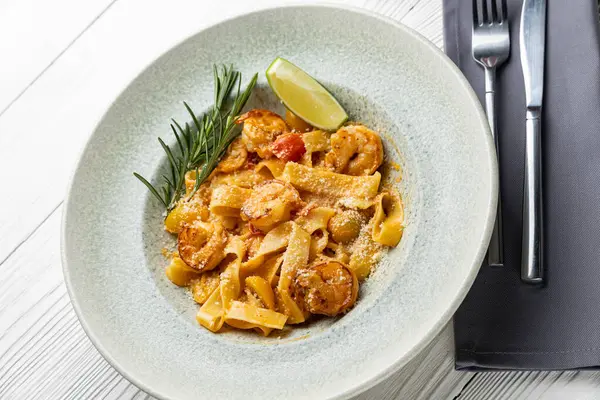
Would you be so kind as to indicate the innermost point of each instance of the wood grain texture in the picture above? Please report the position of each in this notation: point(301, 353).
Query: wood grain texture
point(44, 353)
point(533, 385)
point(34, 33)
point(67, 70)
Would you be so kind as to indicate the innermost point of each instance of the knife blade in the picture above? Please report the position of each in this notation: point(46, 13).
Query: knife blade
point(532, 40)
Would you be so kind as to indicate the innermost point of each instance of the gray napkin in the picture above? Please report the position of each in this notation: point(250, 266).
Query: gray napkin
point(503, 323)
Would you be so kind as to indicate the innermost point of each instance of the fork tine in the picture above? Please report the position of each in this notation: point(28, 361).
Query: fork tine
point(484, 12)
point(475, 13)
point(503, 11)
point(494, 12)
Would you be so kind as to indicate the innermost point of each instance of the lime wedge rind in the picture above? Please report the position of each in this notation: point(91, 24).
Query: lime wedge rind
point(305, 96)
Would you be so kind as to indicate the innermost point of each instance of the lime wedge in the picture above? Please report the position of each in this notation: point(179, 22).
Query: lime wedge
point(304, 96)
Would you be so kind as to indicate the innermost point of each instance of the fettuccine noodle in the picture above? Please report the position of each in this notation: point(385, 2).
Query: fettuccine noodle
point(286, 226)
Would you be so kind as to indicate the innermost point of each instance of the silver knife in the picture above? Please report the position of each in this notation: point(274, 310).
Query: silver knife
point(532, 41)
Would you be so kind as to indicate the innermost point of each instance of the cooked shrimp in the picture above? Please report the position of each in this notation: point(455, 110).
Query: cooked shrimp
point(235, 157)
point(270, 203)
point(201, 245)
point(261, 127)
point(355, 150)
point(328, 288)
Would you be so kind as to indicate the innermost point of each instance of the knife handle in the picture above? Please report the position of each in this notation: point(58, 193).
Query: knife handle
point(495, 254)
point(532, 246)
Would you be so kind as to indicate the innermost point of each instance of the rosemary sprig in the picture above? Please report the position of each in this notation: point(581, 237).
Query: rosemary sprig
point(201, 147)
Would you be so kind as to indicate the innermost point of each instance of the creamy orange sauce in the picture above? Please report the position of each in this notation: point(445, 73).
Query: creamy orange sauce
point(287, 225)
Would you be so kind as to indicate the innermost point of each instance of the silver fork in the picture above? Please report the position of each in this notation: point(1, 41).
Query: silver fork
point(491, 48)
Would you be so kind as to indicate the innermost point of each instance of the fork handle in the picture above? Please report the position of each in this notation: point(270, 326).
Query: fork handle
point(495, 254)
point(532, 246)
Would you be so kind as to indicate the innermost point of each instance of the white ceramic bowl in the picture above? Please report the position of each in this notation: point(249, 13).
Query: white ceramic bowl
point(386, 76)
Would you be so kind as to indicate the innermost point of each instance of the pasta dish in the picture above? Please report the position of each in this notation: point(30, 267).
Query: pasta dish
point(286, 226)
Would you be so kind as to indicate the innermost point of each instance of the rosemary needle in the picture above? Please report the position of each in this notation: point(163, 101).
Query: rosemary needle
point(200, 147)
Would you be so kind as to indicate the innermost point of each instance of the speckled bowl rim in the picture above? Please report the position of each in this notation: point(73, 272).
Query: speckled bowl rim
point(388, 370)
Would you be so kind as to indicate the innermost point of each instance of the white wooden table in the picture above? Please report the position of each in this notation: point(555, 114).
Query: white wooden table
point(61, 63)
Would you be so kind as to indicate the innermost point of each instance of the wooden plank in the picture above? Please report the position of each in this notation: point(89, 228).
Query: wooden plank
point(34, 33)
point(41, 341)
point(430, 375)
point(44, 353)
point(532, 385)
point(423, 16)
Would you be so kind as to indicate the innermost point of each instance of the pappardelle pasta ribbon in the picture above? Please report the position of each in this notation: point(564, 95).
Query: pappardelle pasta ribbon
point(267, 242)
